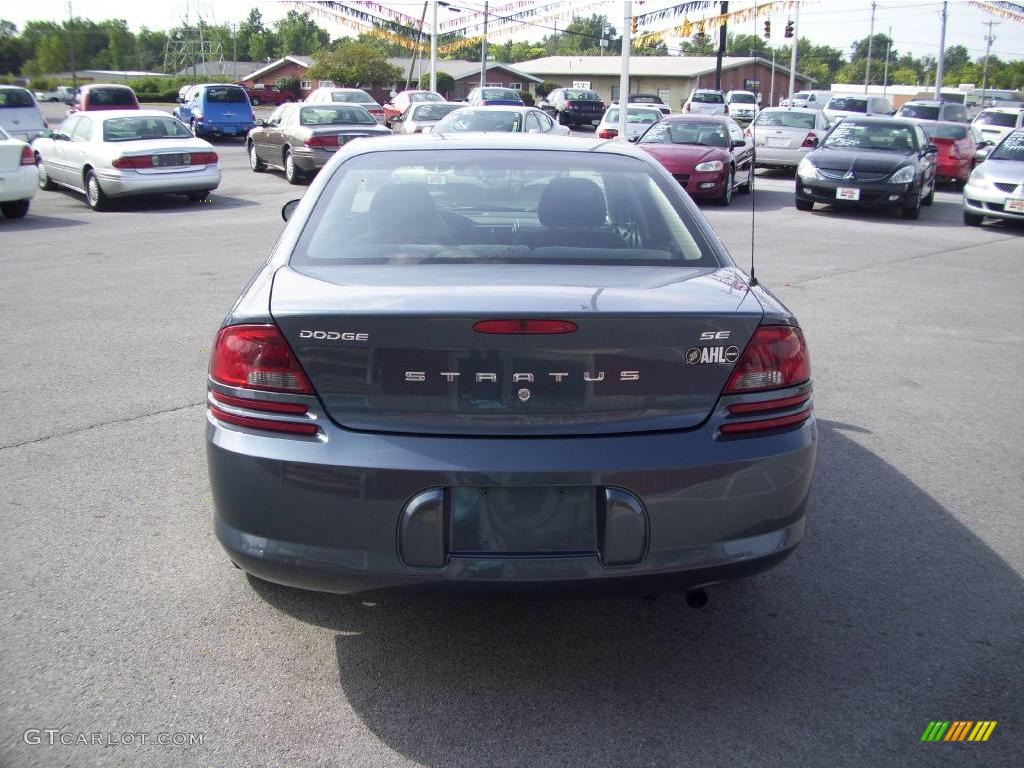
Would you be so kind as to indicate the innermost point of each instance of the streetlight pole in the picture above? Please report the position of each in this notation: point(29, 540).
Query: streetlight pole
point(989, 39)
point(433, 48)
point(483, 50)
point(792, 53)
point(871, 40)
point(627, 39)
point(942, 55)
point(71, 49)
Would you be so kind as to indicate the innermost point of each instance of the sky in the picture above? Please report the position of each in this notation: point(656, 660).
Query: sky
point(915, 24)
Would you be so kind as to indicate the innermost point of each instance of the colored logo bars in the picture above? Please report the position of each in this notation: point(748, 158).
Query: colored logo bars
point(958, 730)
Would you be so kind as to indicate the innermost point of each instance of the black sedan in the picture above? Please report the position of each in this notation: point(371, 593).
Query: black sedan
point(301, 138)
point(871, 162)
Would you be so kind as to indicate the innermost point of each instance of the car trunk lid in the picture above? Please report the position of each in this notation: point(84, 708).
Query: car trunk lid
point(395, 348)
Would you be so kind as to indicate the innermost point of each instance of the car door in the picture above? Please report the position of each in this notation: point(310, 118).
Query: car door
point(77, 151)
point(927, 161)
point(547, 125)
point(268, 138)
point(57, 161)
point(743, 154)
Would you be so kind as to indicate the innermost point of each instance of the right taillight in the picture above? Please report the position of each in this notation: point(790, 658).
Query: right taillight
point(809, 140)
point(256, 357)
point(775, 357)
point(606, 133)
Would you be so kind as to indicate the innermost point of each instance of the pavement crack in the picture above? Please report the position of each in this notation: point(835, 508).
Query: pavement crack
point(79, 430)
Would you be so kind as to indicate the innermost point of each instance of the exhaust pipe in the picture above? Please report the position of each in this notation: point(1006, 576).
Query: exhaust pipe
point(697, 598)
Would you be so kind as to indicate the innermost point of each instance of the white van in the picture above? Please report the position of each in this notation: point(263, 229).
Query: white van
point(839, 107)
point(20, 116)
point(808, 99)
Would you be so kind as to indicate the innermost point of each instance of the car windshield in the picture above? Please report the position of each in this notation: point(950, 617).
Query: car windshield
point(850, 134)
point(485, 207)
point(434, 111)
point(226, 96)
point(352, 97)
point(141, 128)
point(844, 104)
point(1010, 148)
point(705, 134)
point(576, 94)
point(940, 131)
point(15, 97)
point(998, 119)
point(919, 112)
point(800, 120)
point(742, 98)
point(708, 97)
point(427, 96)
point(111, 96)
point(331, 115)
point(499, 94)
point(500, 120)
point(641, 116)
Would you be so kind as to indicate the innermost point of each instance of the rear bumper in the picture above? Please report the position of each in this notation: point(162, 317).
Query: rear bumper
point(780, 157)
point(20, 184)
point(311, 158)
point(326, 514)
point(127, 183)
point(953, 170)
point(208, 128)
point(872, 195)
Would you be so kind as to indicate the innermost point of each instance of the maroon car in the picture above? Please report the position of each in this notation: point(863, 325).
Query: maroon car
point(92, 98)
point(709, 155)
point(259, 96)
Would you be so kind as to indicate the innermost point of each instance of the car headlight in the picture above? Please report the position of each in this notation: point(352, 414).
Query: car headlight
point(977, 179)
point(710, 165)
point(806, 170)
point(904, 175)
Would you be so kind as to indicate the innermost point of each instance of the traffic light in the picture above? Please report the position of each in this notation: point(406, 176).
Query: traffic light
point(789, 28)
point(767, 28)
point(633, 25)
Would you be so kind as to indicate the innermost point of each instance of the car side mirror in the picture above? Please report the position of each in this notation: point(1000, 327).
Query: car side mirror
point(633, 139)
point(288, 209)
point(46, 134)
point(739, 143)
point(931, 149)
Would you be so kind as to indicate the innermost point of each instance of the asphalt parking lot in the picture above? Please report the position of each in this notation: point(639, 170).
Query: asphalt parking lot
point(120, 613)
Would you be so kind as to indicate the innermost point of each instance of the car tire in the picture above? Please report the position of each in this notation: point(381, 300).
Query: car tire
point(199, 196)
point(291, 173)
point(94, 195)
point(45, 183)
point(15, 209)
point(804, 205)
point(562, 119)
point(930, 197)
point(255, 101)
point(726, 199)
point(257, 165)
point(973, 219)
point(912, 212)
point(746, 186)
point(194, 128)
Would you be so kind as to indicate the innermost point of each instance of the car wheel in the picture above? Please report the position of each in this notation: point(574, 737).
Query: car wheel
point(562, 119)
point(726, 197)
point(913, 211)
point(15, 209)
point(291, 173)
point(254, 161)
point(746, 186)
point(973, 219)
point(94, 195)
point(255, 101)
point(44, 178)
point(930, 197)
point(194, 128)
point(804, 205)
point(196, 197)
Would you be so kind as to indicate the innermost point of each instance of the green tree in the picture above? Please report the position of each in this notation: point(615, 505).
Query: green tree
point(445, 83)
point(543, 89)
point(354, 64)
point(12, 50)
point(699, 45)
point(582, 37)
point(299, 35)
point(150, 47)
point(955, 57)
point(289, 84)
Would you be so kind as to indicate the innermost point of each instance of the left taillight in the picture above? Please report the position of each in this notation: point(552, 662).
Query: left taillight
point(133, 162)
point(607, 133)
point(257, 357)
point(27, 156)
point(322, 141)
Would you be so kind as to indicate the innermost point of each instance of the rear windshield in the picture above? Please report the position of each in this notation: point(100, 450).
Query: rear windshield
point(499, 94)
point(641, 116)
point(425, 96)
point(1010, 148)
point(575, 94)
point(226, 96)
point(743, 98)
point(940, 131)
point(706, 134)
point(848, 105)
point(111, 96)
point(785, 120)
point(331, 115)
point(1000, 119)
point(850, 134)
point(708, 97)
point(642, 99)
point(140, 128)
point(490, 120)
point(484, 207)
point(352, 97)
point(434, 111)
point(919, 112)
point(15, 97)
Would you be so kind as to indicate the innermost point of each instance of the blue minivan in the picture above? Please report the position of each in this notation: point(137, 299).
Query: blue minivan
point(216, 109)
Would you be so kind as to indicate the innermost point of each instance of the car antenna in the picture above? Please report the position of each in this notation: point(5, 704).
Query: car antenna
point(753, 208)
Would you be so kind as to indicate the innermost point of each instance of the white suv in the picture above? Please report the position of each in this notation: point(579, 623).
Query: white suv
point(705, 101)
point(742, 105)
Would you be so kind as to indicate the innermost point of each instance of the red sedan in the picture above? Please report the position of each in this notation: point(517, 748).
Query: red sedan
point(957, 143)
point(708, 154)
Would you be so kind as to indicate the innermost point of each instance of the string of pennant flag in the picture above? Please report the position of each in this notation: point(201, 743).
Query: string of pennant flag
point(707, 25)
point(1008, 11)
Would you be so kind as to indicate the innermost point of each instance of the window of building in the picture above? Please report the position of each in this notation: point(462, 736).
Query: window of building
point(615, 93)
point(515, 86)
point(497, 85)
point(326, 83)
point(305, 85)
point(664, 94)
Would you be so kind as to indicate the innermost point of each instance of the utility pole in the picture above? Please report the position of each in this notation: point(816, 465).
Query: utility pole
point(433, 49)
point(483, 50)
point(885, 77)
point(989, 39)
point(871, 39)
point(71, 49)
point(627, 39)
point(942, 54)
point(792, 53)
point(771, 98)
point(721, 49)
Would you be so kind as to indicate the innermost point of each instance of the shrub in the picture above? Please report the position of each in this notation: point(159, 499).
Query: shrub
point(543, 89)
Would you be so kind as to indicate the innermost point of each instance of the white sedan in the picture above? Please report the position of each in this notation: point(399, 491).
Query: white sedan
point(17, 176)
point(124, 153)
point(499, 119)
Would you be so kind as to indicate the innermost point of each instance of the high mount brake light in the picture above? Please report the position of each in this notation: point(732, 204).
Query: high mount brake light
point(775, 357)
point(525, 326)
point(257, 357)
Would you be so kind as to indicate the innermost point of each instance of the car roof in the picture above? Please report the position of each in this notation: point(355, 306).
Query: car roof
point(905, 122)
point(494, 107)
point(798, 110)
point(1004, 110)
point(683, 118)
point(112, 114)
point(91, 86)
point(927, 103)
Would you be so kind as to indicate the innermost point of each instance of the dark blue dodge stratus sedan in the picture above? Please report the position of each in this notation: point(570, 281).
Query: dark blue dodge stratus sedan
point(479, 365)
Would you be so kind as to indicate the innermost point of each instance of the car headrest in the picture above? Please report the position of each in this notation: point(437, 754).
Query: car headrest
point(404, 211)
point(572, 202)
